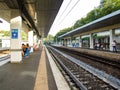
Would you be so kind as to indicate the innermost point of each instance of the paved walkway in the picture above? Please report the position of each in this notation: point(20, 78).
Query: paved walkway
point(41, 79)
point(34, 73)
point(20, 76)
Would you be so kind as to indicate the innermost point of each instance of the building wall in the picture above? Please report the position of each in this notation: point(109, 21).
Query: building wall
point(5, 42)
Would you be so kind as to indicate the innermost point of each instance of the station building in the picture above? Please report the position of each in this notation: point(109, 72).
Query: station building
point(100, 32)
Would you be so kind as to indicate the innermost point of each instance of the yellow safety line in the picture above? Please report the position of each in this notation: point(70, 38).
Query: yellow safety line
point(41, 82)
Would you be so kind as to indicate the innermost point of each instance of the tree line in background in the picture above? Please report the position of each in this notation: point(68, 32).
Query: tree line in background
point(49, 39)
point(106, 7)
point(5, 33)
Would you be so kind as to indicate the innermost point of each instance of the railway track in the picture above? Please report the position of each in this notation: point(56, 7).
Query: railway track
point(113, 63)
point(109, 66)
point(84, 76)
point(4, 57)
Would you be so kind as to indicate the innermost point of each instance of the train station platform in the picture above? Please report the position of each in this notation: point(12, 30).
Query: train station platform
point(36, 72)
point(95, 52)
point(100, 53)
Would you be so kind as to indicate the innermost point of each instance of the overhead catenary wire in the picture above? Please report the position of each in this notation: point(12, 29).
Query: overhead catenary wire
point(69, 11)
point(65, 9)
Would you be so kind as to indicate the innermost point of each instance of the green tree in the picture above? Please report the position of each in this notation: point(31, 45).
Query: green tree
point(5, 33)
point(49, 39)
point(108, 6)
point(61, 32)
point(24, 36)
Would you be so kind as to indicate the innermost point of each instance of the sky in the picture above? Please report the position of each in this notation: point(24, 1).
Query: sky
point(4, 25)
point(70, 12)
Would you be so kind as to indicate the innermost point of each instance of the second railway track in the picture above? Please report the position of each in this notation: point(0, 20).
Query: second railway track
point(111, 67)
point(85, 78)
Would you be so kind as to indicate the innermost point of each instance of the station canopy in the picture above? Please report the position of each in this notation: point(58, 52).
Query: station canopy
point(108, 20)
point(37, 14)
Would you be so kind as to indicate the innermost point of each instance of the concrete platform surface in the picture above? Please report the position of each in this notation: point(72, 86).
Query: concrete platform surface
point(35, 73)
point(20, 76)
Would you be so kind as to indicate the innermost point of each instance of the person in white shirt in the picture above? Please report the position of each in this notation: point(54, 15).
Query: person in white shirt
point(114, 45)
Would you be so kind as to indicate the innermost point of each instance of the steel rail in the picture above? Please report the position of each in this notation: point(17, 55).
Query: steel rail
point(77, 82)
point(5, 57)
point(102, 75)
point(96, 58)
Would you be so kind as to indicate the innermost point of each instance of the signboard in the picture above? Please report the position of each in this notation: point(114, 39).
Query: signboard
point(14, 34)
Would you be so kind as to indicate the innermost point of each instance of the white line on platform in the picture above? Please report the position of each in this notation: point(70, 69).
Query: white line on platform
point(59, 79)
point(4, 62)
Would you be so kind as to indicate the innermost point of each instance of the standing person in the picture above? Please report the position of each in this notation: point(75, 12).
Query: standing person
point(28, 48)
point(114, 45)
point(95, 46)
point(103, 46)
point(99, 44)
point(23, 49)
point(73, 43)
